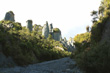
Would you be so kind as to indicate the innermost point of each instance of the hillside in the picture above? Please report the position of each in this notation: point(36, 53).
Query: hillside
point(92, 53)
point(22, 46)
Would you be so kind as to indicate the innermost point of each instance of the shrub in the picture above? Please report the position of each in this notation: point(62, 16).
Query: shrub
point(56, 30)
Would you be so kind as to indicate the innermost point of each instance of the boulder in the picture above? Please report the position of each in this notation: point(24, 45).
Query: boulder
point(9, 16)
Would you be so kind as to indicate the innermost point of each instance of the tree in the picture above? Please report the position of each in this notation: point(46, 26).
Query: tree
point(95, 16)
point(87, 28)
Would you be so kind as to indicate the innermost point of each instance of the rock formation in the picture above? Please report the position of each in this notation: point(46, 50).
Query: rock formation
point(51, 28)
point(56, 34)
point(45, 30)
point(71, 44)
point(29, 24)
point(9, 16)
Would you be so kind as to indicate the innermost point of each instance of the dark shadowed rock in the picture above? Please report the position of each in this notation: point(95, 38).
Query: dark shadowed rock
point(29, 24)
point(57, 34)
point(9, 16)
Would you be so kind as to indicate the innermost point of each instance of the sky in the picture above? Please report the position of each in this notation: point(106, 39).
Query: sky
point(70, 16)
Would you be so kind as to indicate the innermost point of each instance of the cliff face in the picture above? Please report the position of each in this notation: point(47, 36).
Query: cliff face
point(9, 16)
point(106, 32)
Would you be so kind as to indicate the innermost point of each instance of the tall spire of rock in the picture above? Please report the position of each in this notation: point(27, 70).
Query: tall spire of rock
point(45, 30)
point(9, 16)
point(51, 28)
point(29, 24)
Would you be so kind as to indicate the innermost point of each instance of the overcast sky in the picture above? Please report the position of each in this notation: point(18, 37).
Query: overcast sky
point(71, 16)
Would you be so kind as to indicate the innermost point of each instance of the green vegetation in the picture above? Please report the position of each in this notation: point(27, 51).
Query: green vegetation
point(11, 12)
point(97, 29)
point(82, 42)
point(27, 48)
point(91, 55)
point(56, 30)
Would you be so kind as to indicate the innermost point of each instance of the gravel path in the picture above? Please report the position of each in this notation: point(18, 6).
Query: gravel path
point(64, 65)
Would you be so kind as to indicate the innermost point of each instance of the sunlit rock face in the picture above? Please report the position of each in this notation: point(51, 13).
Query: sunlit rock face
point(9, 16)
point(71, 44)
point(55, 32)
point(45, 30)
point(29, 24)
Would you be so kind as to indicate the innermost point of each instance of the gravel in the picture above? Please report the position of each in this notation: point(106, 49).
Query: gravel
point(63, 65)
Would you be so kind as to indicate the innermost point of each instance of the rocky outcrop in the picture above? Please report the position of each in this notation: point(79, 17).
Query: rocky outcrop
point(45, 30)
point(56, 34)
point(9, 16)
point(68, 44)
point(51, 28)
point(71, 44)
point(29, 24)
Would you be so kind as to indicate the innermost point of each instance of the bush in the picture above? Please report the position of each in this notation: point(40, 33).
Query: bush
point(56, 30)
point(95, 60)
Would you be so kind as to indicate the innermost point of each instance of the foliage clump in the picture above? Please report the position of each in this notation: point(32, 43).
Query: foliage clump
point(56, 30)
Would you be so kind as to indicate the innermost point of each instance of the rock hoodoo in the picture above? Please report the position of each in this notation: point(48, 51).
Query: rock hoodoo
point(48, 29)
point(29, 24)
point(57, 34)
point(51, 28)
point(45, 30)
point(9, 16)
